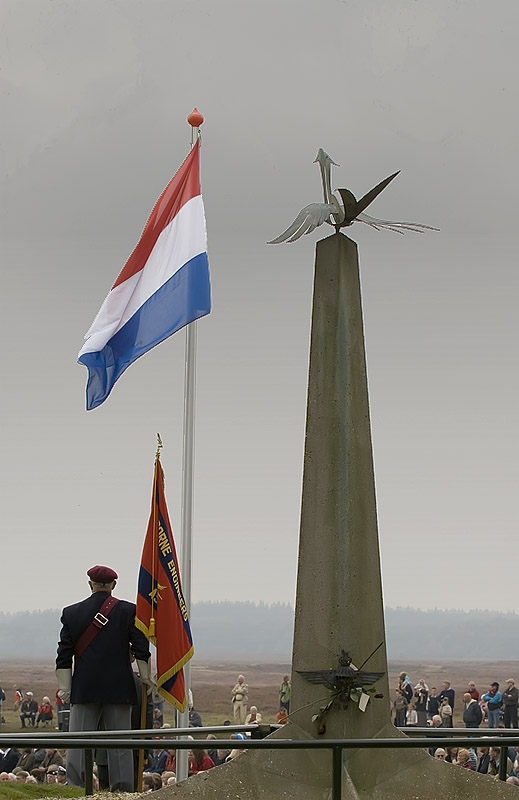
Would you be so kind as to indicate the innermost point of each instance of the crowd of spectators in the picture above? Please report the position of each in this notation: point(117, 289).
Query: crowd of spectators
point(38, 765)
point(419, 705)
point(484, 760)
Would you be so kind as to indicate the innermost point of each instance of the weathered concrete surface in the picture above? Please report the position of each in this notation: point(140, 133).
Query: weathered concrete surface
point(254, 776)
point(339, 593)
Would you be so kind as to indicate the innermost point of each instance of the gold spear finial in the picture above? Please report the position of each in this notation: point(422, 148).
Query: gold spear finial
point(159, 445)
point(154, 584)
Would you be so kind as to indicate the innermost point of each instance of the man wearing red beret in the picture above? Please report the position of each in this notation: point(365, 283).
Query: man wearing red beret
point(99, 636)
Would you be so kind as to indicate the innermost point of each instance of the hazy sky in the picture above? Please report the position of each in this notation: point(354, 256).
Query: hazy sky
point(94, 99)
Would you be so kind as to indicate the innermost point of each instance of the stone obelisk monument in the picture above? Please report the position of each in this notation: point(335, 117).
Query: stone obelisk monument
point(339, 622)
point(339, 591)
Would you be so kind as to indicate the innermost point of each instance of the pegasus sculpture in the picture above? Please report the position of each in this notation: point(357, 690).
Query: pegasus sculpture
point(342, 211)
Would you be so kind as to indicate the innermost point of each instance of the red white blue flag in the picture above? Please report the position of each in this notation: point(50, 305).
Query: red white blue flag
point(163, 286)
point(161, 609)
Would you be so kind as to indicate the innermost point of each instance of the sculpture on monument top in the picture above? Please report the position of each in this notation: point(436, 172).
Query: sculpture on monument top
point(342, 212)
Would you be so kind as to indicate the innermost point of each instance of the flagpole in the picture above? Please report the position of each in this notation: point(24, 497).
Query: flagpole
point(195, 119)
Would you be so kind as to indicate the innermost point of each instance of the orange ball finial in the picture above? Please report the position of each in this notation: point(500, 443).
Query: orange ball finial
point(195, 119)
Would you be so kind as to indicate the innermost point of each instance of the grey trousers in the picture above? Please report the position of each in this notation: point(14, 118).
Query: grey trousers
point(120, 762)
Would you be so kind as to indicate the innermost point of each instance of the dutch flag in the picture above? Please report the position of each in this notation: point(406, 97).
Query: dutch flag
point(163, 286)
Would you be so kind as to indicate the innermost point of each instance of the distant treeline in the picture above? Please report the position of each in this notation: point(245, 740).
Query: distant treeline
point(242, 630)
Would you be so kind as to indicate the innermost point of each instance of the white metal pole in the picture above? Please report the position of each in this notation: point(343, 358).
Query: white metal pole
point(187, 514)
point(188, 458)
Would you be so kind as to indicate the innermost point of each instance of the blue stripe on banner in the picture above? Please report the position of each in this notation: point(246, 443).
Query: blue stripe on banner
point(145, 586)
point(172, 575)
point(186, 296)
point(170, 683)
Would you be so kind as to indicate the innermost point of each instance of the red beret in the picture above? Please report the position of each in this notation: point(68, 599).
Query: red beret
point(102, 574)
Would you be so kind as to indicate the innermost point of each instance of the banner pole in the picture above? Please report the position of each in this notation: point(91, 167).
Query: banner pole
point(140, 765)
point(195, 120)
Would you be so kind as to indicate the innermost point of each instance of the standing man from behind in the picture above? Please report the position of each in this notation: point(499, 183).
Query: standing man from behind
point(99, 636)
point(510, 702)
point(472, 714)
point(240, 697)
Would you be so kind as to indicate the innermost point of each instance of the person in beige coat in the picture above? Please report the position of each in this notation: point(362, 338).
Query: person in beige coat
point(240, 697)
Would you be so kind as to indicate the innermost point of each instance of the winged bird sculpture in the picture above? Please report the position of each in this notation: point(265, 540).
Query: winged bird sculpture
point(344, 211)
point(342, 680)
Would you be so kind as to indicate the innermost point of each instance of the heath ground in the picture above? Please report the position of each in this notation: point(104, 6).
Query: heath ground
point(212, 683)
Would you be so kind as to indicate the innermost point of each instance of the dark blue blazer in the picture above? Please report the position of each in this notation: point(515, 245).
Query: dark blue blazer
point(103, 673)
point(9, 761)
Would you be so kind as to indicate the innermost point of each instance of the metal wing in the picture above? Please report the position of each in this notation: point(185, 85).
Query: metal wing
point(326, 677)
point(308, 219)
point(367, 678)
point(368, 198)
point(396, 227)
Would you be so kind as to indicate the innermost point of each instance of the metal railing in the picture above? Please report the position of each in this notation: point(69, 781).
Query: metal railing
point(137, 740)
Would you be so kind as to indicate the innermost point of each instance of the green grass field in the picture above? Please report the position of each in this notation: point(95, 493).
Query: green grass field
point(17, 791)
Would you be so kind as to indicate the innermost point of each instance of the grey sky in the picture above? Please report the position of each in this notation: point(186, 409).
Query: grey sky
point(94, 100)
